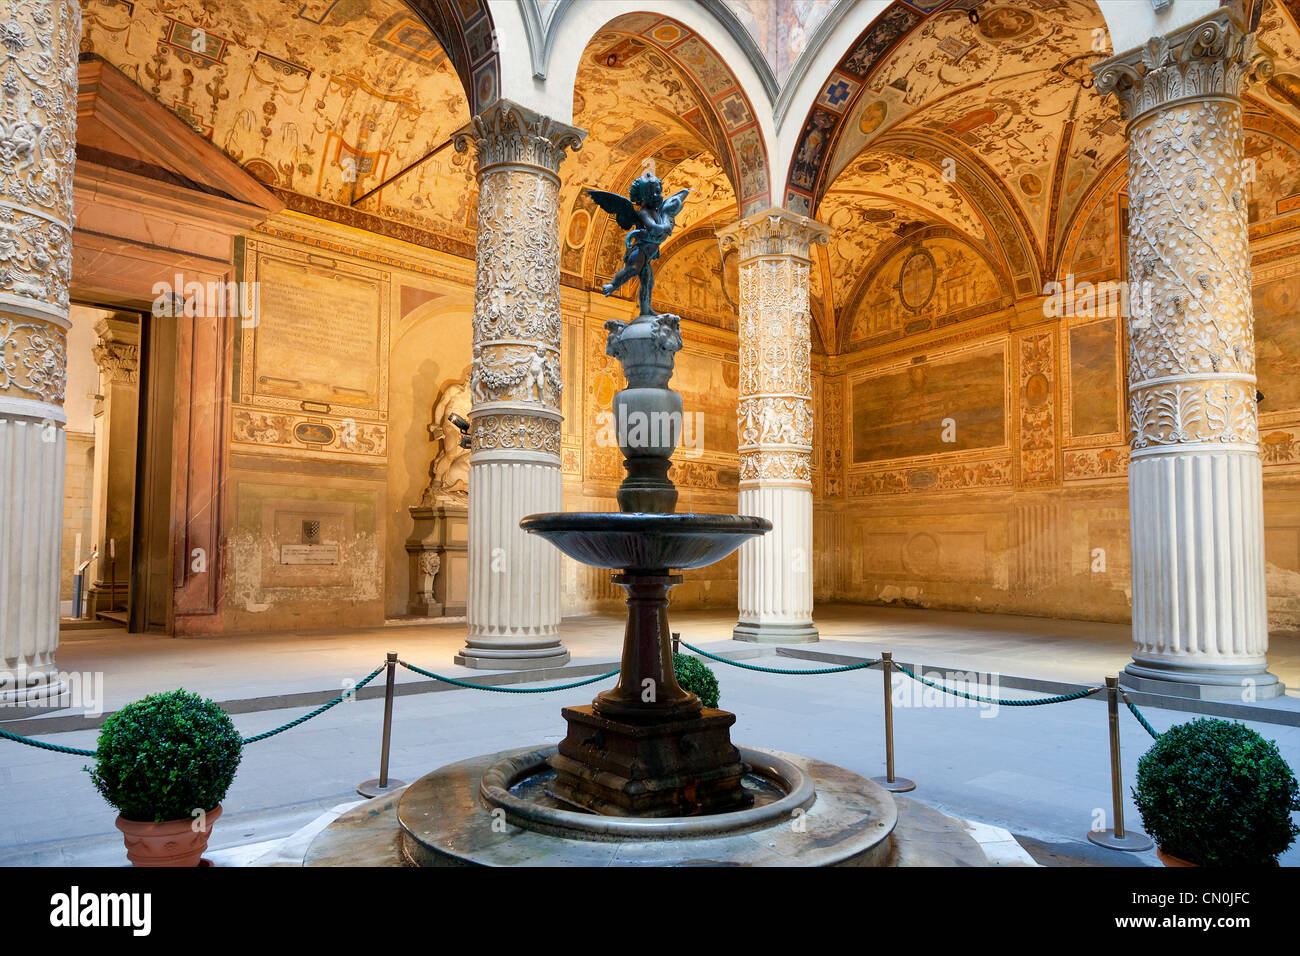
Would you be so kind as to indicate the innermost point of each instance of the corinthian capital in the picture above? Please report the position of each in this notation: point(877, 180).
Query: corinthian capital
point(509, 134)
point(1214, 56)
point(774, 232)
point(117, 350)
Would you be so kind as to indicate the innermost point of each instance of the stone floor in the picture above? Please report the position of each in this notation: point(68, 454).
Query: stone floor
point(1041, 773)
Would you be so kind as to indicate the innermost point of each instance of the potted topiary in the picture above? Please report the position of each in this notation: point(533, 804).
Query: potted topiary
point(1216, 793)
point(166, 763)
point(694, 676)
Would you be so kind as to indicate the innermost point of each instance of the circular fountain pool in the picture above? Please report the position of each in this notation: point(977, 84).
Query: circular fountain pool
point(495, 810)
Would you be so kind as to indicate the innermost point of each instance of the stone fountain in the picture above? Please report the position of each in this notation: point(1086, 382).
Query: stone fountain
point(645, 773)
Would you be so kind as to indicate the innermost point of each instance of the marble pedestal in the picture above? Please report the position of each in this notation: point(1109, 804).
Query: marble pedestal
point(438, 560)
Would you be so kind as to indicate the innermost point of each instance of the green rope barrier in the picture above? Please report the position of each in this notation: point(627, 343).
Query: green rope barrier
point(1062, 698)
point(245, 740)
point(778, 670)
point(40, 744)
point(319, 710)
point(1138, 714)
point(506, 690)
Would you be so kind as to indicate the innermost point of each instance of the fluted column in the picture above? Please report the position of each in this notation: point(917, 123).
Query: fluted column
point(1200, 622)
point(513, 602)
point(39, 42)
point(775, 421)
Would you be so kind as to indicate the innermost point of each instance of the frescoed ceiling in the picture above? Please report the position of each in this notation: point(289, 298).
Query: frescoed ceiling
point(321, 101)
point(981, 118)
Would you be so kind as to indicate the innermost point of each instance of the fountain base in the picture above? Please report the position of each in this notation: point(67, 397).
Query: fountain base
point(665, 768)
point(492, 810)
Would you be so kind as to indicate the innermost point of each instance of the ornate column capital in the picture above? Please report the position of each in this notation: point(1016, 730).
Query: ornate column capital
point(773, 232)
point(507, 134)
point(1213, 57)
point(117, 350)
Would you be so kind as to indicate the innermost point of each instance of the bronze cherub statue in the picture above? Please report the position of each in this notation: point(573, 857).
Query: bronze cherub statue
point(650, 225)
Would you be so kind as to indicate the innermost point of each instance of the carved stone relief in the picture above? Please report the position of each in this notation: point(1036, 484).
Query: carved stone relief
point(517, 321)
point(775, 414)
point(38, 64)
point(1191, 362)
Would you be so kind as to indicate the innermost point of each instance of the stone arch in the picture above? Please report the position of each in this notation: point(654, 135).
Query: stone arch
point(990, 197)
point(737, 127)
point(468, 37)
point(699, 45)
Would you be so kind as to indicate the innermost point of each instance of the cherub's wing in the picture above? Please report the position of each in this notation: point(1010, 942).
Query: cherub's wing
point(618, 206)
point(673, 204)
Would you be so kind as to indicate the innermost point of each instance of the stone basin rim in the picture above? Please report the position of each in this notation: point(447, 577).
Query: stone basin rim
point(629, 522)
point(494, 791)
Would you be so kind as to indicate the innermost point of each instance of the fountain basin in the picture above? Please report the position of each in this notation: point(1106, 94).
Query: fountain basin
point(466, 814)
point(639, 542)
point(507, 785)
point(840, 828)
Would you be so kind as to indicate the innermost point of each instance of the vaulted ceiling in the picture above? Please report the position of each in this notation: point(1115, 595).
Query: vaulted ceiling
point(969, 124)
point(977, 124)
point(323, 102)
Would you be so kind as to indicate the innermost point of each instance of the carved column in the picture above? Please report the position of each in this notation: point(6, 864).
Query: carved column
point(513, 605)
point(38, 87)
point(775, 422)
point(117, 411)
point(1200, 620)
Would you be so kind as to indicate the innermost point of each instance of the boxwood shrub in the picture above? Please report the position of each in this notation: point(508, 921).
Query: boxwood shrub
point(165, 756)
point(1216, 793)
point(693, 675)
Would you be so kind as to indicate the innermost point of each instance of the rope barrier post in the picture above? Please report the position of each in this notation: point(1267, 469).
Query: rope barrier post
point(1117, 838)
point(677, 642)
point(889, 781)
point(373, 788)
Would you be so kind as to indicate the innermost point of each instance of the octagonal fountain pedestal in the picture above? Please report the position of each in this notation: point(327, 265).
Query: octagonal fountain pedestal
point(645, 774)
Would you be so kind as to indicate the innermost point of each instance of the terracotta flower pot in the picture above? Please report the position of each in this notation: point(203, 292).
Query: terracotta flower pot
point(171, 843)
point(1168, 859)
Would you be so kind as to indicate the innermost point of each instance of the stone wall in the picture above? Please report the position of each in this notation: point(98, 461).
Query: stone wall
point(1022, 506)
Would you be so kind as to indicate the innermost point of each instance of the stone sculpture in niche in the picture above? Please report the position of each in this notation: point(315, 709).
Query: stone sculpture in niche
point(449, 470)
point(437, 548)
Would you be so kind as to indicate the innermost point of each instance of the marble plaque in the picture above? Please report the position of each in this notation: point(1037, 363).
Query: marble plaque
point(321, 334)
point(309, 554)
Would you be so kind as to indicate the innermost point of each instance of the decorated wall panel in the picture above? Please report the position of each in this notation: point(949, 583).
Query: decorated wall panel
point(312, 364)
point(903, 411)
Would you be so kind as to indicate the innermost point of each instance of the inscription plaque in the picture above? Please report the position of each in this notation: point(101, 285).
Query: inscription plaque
point(321, 339)
point(309, 554)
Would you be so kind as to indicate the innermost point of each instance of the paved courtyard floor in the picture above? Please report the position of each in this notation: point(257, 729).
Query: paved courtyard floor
point(1041, 772)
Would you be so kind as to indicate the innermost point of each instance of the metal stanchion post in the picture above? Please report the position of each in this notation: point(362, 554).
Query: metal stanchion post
point(889, 781)
point(677, 642)
point(373, 788)
point(1117, 838)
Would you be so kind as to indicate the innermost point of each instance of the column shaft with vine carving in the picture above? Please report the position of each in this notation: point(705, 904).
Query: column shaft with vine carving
point(513, 601)
point(775, 421)
point(1195, 485)
point(39, 42)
